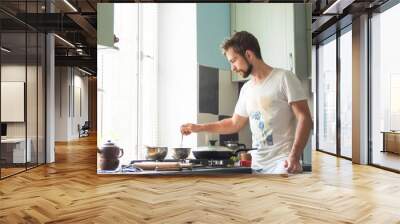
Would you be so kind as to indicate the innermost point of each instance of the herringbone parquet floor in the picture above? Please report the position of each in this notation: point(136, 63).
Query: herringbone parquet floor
point(70, 191)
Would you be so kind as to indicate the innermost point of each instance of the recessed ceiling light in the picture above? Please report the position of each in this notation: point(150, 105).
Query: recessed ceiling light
point(5, 50)
point(86, 72)
point(337, 7)
point(64, 40)
point(70, 5)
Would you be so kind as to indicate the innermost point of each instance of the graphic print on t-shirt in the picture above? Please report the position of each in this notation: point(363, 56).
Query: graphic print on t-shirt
point(260, 122)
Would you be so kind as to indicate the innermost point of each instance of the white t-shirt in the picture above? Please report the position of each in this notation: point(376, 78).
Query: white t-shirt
point(272, 121)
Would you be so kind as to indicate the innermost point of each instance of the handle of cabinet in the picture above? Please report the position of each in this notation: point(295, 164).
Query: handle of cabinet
point(291, 61)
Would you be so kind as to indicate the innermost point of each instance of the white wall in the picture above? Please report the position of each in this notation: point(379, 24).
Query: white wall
point(34, 124)
point(67, 80)
point(17, 73)
point(61, 103)
point(80, 83)
point(177, 81)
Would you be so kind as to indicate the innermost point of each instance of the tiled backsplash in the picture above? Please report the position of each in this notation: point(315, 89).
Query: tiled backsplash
point(217, 101)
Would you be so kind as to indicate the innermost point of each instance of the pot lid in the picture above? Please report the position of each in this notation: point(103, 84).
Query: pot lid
point(212, 148)
point(108, 144)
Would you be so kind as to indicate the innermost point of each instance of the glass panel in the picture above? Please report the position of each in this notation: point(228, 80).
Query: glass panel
point(327, 97)
point(41, 99)
point(31, 98)
point(13, 87)
point(346, 94)
point(386, 89)
point(149, 110)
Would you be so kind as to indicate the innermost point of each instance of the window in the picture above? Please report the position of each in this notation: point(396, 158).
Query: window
point(148, 133)
point(385, 84)
point(327, 96)
point(127, 99)
point(118, 84)
point(346, 93)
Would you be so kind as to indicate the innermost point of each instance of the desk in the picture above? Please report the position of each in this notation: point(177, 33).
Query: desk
point(13, 150)
point(391, 141)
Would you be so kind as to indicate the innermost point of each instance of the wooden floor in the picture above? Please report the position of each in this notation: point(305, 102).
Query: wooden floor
point(386, 159)
point(70, 191)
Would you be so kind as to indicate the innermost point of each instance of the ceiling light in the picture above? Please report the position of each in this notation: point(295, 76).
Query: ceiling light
point(70, 5)
point(5, 50)
point(64, 40)
point(86, 72)
point(337, 7)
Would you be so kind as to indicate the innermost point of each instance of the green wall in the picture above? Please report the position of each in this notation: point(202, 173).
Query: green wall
point(213, 26)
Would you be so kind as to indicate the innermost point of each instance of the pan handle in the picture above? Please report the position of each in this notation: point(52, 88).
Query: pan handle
point(244, 150)
point(241, 146)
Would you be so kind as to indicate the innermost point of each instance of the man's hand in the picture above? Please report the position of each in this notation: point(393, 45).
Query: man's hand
point(292, 164)
point(187, 129)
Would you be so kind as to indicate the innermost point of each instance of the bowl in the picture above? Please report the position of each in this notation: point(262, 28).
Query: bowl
point(156, 152)
point(180, 153)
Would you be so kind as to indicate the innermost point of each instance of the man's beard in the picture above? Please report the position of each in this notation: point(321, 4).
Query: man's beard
point(249, 69)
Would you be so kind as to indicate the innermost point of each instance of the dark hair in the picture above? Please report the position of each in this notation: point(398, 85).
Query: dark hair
point(242, 41)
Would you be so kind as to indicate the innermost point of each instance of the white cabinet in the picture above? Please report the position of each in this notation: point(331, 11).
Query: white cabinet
point(283, 32)
point(105, 25)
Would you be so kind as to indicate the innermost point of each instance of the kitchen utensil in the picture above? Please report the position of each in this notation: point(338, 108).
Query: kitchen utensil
point(156, 153)
point(181, 139)
point(234, 145)
point(212, 142)
point(150, 165)
point(109, 156)
point(108, 164)
point(180, 153)
point(216, 152)
point(245, 163)
point(245, 159)
point(110, 151)
point(244, 156)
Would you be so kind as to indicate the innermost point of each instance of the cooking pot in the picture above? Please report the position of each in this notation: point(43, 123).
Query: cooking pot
point(216, 152)
point(156, 153)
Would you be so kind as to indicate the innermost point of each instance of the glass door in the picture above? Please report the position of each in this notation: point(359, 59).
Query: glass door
point(385, 89)
point(326, 90)
point(345, 50)
point(13, 103)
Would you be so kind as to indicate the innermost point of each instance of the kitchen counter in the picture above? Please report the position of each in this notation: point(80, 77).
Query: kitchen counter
point(126, 170)
point(194, 171)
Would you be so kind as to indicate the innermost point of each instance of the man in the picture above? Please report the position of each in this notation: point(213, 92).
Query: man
point(272, 100)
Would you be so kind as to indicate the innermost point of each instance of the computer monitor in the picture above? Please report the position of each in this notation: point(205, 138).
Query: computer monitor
point(3, 129)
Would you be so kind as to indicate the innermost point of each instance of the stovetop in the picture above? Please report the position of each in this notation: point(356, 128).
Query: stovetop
point(198, 167)
point(196, 162)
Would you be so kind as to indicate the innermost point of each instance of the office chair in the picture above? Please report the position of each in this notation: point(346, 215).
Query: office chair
point(84, 130)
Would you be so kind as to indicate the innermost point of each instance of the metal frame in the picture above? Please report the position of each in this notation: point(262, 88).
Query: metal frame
point(338, 98)
point(317, 93)
point(44, 74)
point(369, 78)
point(338, 34)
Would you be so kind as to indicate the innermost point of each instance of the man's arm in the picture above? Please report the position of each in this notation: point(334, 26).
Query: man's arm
point(303, 128)
point(225, 126)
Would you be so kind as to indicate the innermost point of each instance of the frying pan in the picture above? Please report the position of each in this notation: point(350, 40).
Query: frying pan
point(217, 152)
